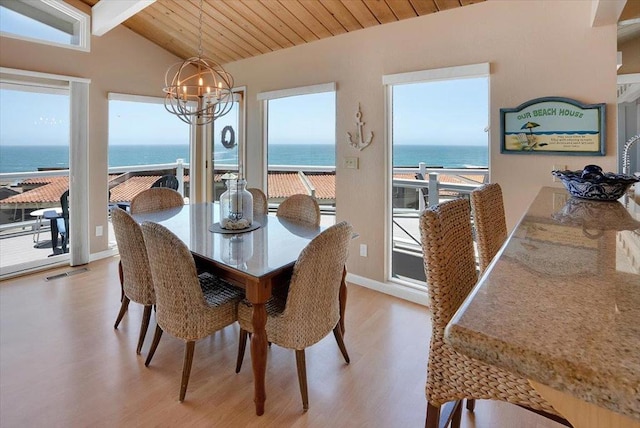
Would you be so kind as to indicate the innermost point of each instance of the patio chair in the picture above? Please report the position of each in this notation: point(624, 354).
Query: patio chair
point(59, 225)
point(451, 376)
point(169, 180)
point(303, 208)
point(311, 309)
point(188, 306)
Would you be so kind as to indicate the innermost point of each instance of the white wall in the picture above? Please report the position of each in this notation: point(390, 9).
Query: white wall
point(536, 49)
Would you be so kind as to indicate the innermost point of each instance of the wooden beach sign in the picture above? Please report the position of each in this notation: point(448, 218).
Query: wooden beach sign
point(553, 125)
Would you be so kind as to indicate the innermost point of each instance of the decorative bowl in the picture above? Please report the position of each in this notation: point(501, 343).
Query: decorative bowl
point(592, 183)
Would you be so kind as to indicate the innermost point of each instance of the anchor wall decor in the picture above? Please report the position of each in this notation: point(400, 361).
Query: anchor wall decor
point(358, 142)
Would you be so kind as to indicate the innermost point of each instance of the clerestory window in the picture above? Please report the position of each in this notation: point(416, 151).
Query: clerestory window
point(51, 22)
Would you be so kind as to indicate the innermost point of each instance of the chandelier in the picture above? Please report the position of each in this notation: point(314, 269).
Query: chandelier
point(198, 90)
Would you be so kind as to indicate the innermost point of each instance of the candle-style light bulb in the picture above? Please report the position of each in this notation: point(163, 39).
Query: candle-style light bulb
point(200, 81)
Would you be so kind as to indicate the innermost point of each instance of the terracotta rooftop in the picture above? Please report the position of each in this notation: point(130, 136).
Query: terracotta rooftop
point(280, 185)
point(124, 192)
point(49, 192)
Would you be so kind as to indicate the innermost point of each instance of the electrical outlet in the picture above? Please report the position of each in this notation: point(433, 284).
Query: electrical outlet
point(351, 162)
point(363, 250)
point(98, 230)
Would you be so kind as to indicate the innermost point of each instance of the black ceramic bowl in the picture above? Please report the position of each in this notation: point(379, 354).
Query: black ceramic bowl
point(599, 187)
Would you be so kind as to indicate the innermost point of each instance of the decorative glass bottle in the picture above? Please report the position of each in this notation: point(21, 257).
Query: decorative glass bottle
point(236, 206)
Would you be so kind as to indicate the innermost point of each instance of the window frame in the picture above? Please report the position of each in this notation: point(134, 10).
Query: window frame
point(420, 76)
point(265, 97)
point(80, 21)
point(78, 160)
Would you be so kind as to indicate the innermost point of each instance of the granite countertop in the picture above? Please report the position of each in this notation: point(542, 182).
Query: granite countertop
point(560, 305)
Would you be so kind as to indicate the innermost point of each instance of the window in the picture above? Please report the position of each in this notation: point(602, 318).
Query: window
point(45, 21)
point(145, 143)
point(300, 144)
point(440, 149)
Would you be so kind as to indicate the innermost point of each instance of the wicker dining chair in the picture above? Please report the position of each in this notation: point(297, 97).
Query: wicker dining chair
point(489, 220)
point(156, 199)
point(451, 271)
point(311, 309)
point(260, 204)
point(153, 199)
point(137, 284)
point(188, 306)
point(303, 208)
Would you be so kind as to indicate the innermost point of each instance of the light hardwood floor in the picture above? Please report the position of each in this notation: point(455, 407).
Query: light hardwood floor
point(62, 364)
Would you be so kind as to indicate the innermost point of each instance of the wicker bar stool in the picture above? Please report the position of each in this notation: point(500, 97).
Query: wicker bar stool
point(260, 204)
point(188, 306)
point(311, 309)
point(303, 208)
point(136, 281)
point(489, 219)
point(156, 199)
point(451, 274)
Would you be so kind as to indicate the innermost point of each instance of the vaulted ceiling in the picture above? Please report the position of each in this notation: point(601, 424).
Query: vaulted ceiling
point(238, 29)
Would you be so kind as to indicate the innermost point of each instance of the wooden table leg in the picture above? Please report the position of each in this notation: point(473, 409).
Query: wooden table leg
point(259, 355)
point(343, 299)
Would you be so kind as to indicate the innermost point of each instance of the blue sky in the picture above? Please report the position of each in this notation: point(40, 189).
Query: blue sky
point(453, 112)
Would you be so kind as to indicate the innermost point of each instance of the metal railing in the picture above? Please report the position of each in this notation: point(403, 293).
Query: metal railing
point(429, 192)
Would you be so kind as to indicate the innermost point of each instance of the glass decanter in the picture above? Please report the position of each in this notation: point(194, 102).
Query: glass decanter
point(236, 205)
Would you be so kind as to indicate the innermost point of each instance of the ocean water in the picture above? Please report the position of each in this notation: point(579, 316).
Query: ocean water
point(30, 158)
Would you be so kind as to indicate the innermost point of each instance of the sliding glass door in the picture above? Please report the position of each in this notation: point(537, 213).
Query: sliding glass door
point(34, 175)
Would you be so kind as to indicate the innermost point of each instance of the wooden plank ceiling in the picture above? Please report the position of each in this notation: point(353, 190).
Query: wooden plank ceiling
point(238, 29)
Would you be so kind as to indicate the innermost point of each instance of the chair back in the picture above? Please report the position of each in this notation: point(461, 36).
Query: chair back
point(489, 219)
point(180, 303)
point(64, 204)
point(312, 308)
point(260, 204)
point(449, 260)
point(169, 180)
point(155, 199)
point(137, 282)
point(302, 208)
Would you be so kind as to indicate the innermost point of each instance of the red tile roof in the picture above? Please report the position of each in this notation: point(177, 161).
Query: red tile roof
point(325, 185)
point(281, 185)
point(46, 193)
point(124, 192)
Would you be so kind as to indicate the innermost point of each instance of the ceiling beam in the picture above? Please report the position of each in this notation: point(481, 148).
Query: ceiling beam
point(605, 12)
point(108, 14)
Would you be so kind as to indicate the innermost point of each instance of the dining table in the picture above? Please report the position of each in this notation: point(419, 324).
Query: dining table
point(560, 306)
point(258, 260)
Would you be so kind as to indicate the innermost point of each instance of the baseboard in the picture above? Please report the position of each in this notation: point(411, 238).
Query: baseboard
point(396, 290)
point(103, 254)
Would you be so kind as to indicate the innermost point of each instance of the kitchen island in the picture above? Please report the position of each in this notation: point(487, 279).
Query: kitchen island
point(560, 305)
